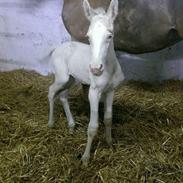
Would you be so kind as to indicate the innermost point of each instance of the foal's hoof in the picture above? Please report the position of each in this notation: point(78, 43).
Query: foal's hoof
point(71, 129)
point(109, 143)
point(85, 161)
point(50, 125)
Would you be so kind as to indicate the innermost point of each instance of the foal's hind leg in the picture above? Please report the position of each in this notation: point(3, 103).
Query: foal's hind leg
point(53, 91)
point(58, 86)
point(65, 103)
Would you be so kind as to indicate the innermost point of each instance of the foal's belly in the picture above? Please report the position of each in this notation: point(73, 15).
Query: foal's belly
point(82, 77)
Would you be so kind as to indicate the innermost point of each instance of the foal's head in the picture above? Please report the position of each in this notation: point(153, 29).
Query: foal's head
point(100, 33)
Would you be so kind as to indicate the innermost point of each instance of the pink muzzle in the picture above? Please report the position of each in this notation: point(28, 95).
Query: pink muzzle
point(97, 71)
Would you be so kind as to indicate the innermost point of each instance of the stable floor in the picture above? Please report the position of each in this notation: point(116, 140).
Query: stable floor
point(147, 134)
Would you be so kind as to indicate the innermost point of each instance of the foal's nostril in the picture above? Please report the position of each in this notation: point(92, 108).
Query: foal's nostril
point(101, 67)
point(97, 70)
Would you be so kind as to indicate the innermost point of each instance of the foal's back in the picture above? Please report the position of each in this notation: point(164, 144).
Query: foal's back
point(75, 57)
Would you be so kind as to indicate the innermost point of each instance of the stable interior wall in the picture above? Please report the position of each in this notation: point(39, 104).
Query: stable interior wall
point(30, 29)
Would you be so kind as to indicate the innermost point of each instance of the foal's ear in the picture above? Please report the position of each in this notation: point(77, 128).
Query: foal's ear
point(89, 11)
point(113, 9)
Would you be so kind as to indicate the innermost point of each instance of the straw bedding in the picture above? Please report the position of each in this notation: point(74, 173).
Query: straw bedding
point(147, 134)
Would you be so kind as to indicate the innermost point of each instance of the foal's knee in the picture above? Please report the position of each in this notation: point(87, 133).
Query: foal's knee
point(57, 86)
point(92, 131)
point(108, 122)
point(63, 99)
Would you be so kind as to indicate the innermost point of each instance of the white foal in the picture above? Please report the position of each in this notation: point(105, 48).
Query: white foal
point(95, 64)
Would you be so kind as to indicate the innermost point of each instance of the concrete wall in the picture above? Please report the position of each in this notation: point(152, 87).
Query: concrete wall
point(29, 29)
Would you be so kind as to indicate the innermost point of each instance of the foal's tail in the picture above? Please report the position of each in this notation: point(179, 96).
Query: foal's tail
point(45, 63)
point(51, 52)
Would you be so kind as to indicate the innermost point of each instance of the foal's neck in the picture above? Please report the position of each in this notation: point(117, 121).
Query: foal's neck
point(111, 52)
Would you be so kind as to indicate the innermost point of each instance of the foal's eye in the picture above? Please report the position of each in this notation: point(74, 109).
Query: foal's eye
point(109, 36)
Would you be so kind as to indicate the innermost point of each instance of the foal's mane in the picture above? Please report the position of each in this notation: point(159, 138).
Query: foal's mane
point(100, 11)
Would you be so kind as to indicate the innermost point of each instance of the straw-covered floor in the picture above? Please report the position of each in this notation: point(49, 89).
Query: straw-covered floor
point(147, 135)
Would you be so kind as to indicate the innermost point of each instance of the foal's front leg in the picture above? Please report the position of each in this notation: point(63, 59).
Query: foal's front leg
point(108, 115)
point(94, 98)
